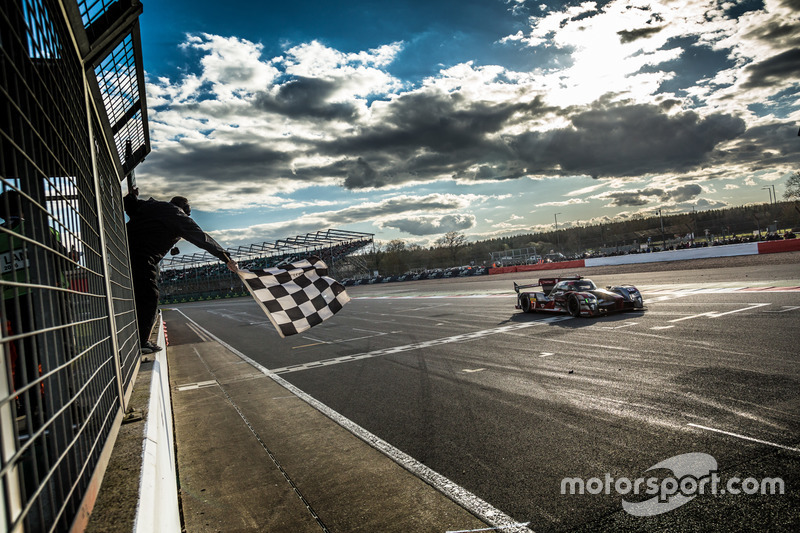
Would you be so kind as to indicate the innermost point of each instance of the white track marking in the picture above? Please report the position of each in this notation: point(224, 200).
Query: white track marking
point(521, 524)
point(199, 333)
point(744, 437)
point(752, 306)
point(416, 346)
point(458, 494)
point(717, 314)
point(198, 385)
point(625, 325)
point(708, 313)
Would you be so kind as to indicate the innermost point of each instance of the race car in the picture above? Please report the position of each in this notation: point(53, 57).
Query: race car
point(577, 296)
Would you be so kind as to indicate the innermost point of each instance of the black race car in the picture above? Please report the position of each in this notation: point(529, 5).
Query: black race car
point(577, 296)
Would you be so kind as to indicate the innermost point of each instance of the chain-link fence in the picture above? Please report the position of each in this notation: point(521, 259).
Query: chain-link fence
point(71, 96)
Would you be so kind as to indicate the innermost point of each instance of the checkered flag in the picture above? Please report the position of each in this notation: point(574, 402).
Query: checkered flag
point(296, 297)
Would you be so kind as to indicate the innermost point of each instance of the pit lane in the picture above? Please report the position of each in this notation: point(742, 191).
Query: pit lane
point(507, 404)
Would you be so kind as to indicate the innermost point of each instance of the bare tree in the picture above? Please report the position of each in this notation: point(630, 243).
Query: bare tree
point(395, 258)
point(792, 187)
point(453, 242)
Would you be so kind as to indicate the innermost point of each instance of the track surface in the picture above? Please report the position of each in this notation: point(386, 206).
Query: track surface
point(508, 404)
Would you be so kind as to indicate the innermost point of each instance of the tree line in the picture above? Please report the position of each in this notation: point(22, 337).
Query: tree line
point(454, 249)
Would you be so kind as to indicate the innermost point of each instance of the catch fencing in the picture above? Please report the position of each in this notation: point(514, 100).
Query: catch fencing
point(73, 125)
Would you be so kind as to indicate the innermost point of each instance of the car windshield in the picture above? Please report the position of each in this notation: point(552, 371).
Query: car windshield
point(578, 285)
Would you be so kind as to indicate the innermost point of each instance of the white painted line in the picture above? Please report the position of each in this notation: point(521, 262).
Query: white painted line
point(752, 306)
point(308, 337)
point(418, 345)
point(520, 524)
point(625, 325)
point(340, 341)
point(198, 385)
point(717, 314)
point(425, 308)
point(199, 333)
point(788, 308)
point(458, 494)
point(693, 316)
point(370, 331)
point(432, 296)
point(662, 327)
point(546, 354)
point(751, 439)
point(470, 370)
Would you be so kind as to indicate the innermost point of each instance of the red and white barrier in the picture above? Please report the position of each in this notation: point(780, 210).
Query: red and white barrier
point(771, 247)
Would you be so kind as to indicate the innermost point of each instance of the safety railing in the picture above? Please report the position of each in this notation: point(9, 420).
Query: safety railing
point(69, 344)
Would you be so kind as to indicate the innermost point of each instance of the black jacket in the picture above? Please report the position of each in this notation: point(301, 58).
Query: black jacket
point(155, 227)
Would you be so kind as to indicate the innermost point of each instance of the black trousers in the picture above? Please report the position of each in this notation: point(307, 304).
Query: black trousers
point(144, 274)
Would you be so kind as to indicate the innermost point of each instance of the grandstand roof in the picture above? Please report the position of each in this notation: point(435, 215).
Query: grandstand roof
point(107, 34)
point(298, 244)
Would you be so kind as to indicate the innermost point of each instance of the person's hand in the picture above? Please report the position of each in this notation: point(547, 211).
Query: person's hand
point(232, 266)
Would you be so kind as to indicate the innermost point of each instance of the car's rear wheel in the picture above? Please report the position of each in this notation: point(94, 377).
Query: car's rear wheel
point(574, 306)
point(525, 302)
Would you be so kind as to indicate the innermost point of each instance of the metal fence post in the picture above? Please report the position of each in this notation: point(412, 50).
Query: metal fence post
point(112, 322)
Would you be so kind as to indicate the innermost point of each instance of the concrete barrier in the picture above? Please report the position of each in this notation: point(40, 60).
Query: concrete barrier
point(728, 250)
point(158, 487)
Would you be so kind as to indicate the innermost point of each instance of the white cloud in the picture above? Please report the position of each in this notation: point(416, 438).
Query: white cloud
point(571, 201)
point(232, 66)
point(244, 131)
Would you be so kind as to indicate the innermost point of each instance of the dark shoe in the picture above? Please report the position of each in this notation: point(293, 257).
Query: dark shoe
point(150, 347)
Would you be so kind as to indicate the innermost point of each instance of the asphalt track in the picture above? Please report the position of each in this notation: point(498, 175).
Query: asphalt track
point(507, 405)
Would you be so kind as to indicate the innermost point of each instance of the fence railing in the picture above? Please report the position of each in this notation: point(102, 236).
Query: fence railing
point(71, 102)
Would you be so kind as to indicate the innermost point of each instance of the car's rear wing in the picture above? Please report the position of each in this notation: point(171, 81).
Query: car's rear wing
point(528, 286)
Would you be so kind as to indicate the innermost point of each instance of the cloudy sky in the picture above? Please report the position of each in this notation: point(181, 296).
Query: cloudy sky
point(410, 119)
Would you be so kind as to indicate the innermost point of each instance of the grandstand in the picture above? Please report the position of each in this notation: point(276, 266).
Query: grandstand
point(201, 276)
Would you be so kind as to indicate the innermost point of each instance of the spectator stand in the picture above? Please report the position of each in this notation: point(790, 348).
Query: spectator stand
point(201, 276)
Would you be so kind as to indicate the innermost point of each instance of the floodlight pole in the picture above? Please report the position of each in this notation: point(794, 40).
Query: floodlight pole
point(663, 239)
point(558, 240)
point(769, 190)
